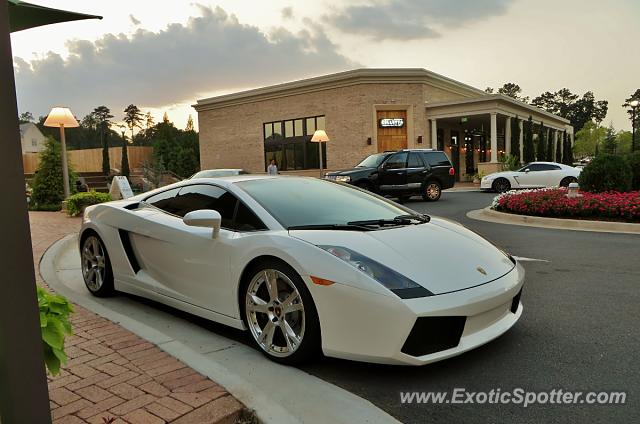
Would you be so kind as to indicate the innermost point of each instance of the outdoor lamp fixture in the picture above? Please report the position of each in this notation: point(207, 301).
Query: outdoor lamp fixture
point(63, 118)
point(320, 137)
point(634, 106)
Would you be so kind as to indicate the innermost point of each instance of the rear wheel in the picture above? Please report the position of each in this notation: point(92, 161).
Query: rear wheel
point(501, 185)
point(96, 267)
point(280, 313)
point(568, 180)
point(432, 191)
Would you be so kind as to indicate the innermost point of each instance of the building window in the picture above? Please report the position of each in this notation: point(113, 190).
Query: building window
point(292, 148)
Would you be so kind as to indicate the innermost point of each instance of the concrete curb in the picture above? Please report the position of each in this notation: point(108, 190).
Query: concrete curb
point(346, 406)
point(489, 215)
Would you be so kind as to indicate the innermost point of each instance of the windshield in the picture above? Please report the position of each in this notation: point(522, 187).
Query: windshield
point(524, 167)
point(297, 201)
point(372, 161)
point(213, 173)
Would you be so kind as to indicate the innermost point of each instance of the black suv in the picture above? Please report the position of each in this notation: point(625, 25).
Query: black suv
point(401, 174)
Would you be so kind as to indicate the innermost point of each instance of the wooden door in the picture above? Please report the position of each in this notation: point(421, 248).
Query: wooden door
point(391, 137)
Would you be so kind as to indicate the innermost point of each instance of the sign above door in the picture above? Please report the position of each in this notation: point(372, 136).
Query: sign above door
point(391, 122)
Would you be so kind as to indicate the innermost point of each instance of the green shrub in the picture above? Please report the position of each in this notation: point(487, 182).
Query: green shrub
point(510, 163)
point(54, 326)
point(76, 202)
point(606, 173)
point(47, 183)
point(634, 162)
point(46, 207)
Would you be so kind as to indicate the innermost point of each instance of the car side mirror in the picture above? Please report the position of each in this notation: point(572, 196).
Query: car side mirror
point(206, 218)
point(526, 171)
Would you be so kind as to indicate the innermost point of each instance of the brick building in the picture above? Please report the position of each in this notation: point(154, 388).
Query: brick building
point(364, 111)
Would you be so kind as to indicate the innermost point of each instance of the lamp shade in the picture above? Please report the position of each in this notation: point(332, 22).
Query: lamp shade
point(61, 116)
point(319, 136)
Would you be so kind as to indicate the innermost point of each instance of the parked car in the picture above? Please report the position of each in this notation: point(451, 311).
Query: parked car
point(401, 174)
point(215, 173)
point(307, 266)
point(532, 175)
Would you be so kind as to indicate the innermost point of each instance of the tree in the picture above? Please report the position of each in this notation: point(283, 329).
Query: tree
point(509, 89)
point(515, 137)
point(567, 154)
point(488, 90)
point(559, 148)
point(587, 139)
point(148, 121)
point(609, 141)
point(26, 117)
point(133, 119)
point(189, 126)
point(527, 149)
point(627, 104)
point(549, 149)
point(540, 147)
point(578, 110)
point(623, 142)
point(48, 191)
point(102, 116)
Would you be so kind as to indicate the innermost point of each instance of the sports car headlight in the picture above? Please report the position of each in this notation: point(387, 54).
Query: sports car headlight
point(403, 287)
point(343, 178)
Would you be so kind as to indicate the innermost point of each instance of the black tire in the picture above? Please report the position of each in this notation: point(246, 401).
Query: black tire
point(501, 185)
point(568, 180)
point(309, 346)
point(431, 191)
point(95, 262)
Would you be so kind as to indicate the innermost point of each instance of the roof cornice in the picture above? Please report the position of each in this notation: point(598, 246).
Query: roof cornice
point(337, 80)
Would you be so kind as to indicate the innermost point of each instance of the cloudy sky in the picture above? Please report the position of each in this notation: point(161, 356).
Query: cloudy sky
point(163, 55)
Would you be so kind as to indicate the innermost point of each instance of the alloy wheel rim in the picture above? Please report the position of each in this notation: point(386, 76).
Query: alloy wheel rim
point(432, 191)
point(93, 263)
point(275, 313)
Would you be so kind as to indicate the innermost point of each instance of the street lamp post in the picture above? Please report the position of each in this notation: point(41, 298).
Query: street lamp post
point(320, 137)
point(634, 106)
point(62, 117)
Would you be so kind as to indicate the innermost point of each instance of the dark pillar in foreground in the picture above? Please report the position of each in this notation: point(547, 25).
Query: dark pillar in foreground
point(23, 384)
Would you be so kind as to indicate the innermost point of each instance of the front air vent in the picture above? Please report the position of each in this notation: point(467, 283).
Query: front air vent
point(515, 302)
point(433, 334)
point(125, 238)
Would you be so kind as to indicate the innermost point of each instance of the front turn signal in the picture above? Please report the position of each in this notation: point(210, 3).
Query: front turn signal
point(321, 281)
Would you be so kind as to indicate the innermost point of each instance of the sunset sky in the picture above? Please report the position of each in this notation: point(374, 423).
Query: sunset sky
point(163, 55)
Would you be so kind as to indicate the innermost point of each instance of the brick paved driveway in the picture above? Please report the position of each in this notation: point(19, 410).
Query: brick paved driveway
point(112, 374)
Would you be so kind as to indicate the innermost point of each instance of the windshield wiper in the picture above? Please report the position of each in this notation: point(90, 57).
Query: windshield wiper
point(398, 220)
point(341, 227)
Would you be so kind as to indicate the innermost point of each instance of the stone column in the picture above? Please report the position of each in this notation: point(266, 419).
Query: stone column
point(434, 134)
point(521, 125)
point(507, 136)
point(494, 137)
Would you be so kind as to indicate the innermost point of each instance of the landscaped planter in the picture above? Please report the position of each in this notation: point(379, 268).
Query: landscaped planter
point(553, 202)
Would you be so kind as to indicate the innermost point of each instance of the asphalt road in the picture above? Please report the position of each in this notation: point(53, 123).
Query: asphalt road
point(579, 332)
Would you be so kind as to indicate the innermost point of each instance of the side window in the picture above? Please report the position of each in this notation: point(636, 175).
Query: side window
point(204, 196)
point(247, 220)
point(164, 200)
point(436, 159)
point(535, 167)
point(550, 167)
point(414, 161)
point(397, 161)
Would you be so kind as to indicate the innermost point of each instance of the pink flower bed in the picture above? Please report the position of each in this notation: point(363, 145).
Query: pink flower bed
point(610, 206)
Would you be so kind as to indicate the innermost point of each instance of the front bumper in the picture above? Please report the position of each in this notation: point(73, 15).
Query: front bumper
point(486, 184)
point(364, 326)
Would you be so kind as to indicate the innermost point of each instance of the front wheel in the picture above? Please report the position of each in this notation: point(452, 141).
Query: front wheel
point(96, 266)
point(501, 185)
point(280, 314)
point(432, 191)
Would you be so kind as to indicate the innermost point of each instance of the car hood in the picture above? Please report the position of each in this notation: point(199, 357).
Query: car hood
point(351, 171)
point(440, 255)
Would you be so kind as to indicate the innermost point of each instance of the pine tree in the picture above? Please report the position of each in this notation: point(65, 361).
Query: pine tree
point(527, 149)
point(567, 154)
point(540, 154)
point(515, 138)
point(559, 148)
point(124, 163)
point(102, 116)
point(189, 126)
point(48, 191)
point(609, 142)
point(549, 149)
point(133, 117)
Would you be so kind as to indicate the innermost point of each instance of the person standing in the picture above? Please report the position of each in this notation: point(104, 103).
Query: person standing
point(272, 169)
